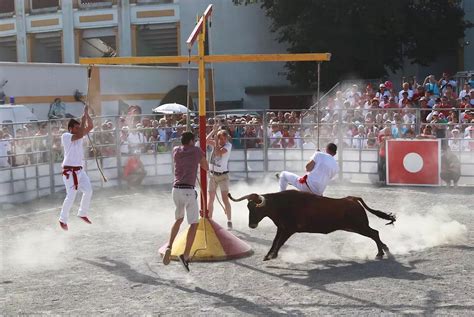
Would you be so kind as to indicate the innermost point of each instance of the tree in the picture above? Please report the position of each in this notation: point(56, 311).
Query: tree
point(366, 37)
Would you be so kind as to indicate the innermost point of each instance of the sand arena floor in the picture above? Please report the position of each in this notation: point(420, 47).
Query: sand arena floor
point(112, 266)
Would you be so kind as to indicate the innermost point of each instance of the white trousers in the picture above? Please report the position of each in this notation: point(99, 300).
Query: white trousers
point(292, 179)
point(84, 186)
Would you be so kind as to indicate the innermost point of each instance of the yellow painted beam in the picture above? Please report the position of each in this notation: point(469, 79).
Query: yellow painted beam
point(307, 57)
point(137, 60)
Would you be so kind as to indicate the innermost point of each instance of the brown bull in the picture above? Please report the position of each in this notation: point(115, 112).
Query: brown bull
point(295, 211)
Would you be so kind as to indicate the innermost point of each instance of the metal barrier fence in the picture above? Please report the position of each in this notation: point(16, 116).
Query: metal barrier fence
point(35, 161)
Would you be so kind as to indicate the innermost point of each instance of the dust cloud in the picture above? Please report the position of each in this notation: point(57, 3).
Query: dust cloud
point(140, 216)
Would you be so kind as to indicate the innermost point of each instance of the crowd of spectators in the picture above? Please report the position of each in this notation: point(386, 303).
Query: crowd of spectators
point(360, 119)
point(431, 109)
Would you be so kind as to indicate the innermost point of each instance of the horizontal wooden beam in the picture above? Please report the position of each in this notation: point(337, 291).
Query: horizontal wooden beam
point(137, 60)
point(307, 57)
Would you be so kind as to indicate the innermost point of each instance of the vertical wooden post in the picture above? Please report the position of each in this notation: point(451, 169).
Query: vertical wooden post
point(202, 117)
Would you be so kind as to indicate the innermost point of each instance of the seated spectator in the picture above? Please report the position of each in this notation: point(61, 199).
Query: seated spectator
point(467, 116)
point(5, 150)
point(404, 101)
point(471, 97)
point(383, 91)
point(105, 140)
point(386, 134)
point(450, 95)
point(409, 117)
point(409, 134)
point(427, 133)
point(420, 92)
point(275, 136)
point(57, 149)
point(465, 92)
point(455, 141)
point(359, 141)
point(434, 114)
point(469, 139)
point(444, 105)
point(465, 102)
point(371, 140)
point(392, 104)
point(405, 89)
point(250, 136)
point(450, 167)
point(431, 84)
point(57, 109)
point(134, 172)
point(398, 130)
point(124, 141)
point(308, 143)
point(40, 145)
point(22, 149)
point(446, 80)
point(136, 139)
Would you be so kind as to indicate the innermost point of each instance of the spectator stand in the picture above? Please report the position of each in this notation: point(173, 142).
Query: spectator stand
point(264, 142)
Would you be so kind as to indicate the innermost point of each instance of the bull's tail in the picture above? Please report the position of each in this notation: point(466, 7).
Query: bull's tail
point(378, 213)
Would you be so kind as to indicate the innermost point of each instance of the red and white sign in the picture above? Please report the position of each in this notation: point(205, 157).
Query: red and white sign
point(413, 162)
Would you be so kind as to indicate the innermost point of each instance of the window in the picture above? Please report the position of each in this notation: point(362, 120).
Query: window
point(7, 8)
point(92, 4)
point(42, 6)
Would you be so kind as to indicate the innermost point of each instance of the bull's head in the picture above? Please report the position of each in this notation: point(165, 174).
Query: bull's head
point(256, 205)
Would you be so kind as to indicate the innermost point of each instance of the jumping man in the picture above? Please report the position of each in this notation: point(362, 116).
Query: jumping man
point(74, 176)
point(321, 168)
point(219, 171)
point(187, 157)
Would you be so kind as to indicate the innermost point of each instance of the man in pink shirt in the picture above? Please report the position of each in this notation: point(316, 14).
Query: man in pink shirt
point(187, 158)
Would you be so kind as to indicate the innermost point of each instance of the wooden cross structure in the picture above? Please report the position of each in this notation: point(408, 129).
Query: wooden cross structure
point(201, 59)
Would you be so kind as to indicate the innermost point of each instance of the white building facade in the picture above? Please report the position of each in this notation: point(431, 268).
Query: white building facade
point(62, 31)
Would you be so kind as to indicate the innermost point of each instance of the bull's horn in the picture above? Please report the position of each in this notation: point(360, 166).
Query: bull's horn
point(256, 198)
point(261, 203)
point(241, 198)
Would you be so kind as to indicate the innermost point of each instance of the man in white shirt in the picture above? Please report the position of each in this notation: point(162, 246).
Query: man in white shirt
point(219, 170)
point(74, 176)
point(321, 168)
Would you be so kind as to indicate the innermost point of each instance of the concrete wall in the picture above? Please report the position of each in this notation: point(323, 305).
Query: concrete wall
point(27, 183)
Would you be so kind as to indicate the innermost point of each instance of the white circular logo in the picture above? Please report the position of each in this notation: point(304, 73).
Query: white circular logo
point(413, 162)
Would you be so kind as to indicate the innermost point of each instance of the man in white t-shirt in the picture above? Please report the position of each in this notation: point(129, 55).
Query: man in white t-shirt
point(74, 176)
point(219, 170)
point(321, 168)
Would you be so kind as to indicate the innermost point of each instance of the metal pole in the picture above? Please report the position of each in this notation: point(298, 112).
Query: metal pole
point(317, 102)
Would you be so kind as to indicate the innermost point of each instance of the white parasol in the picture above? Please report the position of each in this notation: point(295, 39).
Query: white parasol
point(170, 108)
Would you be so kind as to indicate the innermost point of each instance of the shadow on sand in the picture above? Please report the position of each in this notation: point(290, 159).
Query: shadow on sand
point(336, 271)
point(243, 305)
